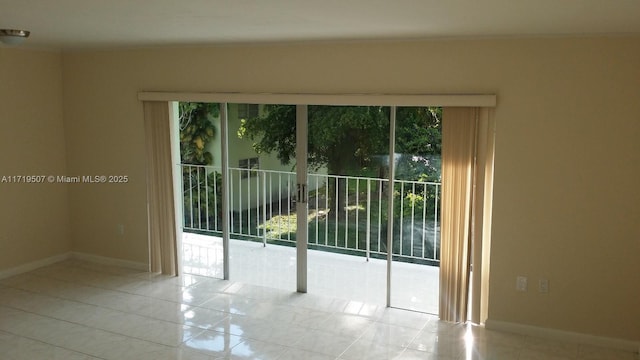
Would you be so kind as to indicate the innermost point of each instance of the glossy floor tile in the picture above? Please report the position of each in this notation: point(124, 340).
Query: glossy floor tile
point(79, 310)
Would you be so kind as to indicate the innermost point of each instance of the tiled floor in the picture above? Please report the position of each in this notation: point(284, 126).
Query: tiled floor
point(79, 310)
point(340, 276)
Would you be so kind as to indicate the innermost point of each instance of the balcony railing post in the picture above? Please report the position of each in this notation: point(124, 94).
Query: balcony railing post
point(435, 225)
point(317, 217)
point(335, 203)
point(190, 196)
point(240, 207)
point(215, 200)
point(184, 221)
point(413, 212)
point(424, 218)
point(346, 212)
point(199, 197)
point(206, 197)
point(400, 251)
point(357, 212)
point(264, 209)
point(368, 218)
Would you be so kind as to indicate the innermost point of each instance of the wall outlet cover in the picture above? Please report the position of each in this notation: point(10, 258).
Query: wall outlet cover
point(521, 283)
point(543, 285)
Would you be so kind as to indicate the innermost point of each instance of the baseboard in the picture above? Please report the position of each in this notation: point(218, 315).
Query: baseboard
point(30, 266)
point(561, 335)
point(110, 261)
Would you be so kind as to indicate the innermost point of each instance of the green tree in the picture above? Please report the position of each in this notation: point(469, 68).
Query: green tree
point(419, 130)
point(343, 138)
point(196, 130)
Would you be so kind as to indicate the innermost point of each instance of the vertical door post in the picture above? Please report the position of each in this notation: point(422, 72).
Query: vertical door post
point(392, 161)
point(301, 197)
point(224, 130)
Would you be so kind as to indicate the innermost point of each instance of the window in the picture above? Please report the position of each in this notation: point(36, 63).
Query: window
point(248, 111)
point(249, 164)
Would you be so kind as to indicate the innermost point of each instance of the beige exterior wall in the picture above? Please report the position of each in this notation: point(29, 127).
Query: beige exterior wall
point(566, 170)
point(277, 185)
point(34, 218)
point(242, 149)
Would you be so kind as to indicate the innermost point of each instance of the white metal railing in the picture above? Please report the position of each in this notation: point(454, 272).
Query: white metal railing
point(262, 208)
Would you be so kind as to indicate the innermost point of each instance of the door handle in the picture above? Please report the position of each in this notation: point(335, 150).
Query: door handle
point(302, 194)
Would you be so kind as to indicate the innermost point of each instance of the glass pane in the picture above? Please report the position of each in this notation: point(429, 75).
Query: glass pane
point(416, 209)
point(262, 188)
point(200, 154)
point(347, 148)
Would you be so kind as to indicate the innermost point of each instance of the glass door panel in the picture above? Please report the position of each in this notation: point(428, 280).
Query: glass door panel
point(262, 184)
point(200, 189)
point(416, 209)
point(347, 150)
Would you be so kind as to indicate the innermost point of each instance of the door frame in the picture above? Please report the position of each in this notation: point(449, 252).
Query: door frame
point(302, 101)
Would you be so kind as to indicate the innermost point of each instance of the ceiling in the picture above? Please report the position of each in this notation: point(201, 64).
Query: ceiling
point(75, 24)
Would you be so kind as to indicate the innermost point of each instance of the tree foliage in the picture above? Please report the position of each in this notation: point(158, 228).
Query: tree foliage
point(196, 130)
point(343, 137)
point(419, 130)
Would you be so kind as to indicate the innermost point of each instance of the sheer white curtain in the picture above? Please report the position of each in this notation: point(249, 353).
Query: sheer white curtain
point(160, 197)
point(467, 192)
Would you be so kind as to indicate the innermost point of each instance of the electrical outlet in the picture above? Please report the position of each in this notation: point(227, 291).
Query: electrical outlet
point(521, 283)
point(543, 285)
point(120, 229)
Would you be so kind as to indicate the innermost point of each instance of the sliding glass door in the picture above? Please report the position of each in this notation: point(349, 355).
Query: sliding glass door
point(347, 150)
point(262, 195)
point(416, 209)
point(200, 136)
point(315, 198)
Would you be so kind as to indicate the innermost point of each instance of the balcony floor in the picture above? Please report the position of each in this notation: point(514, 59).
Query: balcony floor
point(414, 287)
